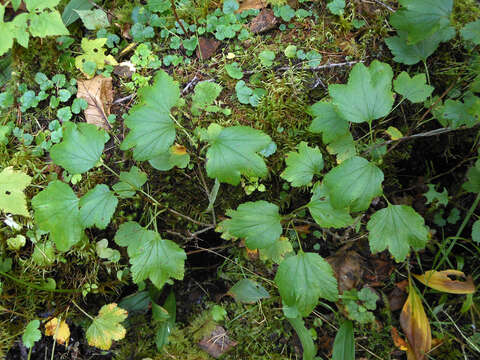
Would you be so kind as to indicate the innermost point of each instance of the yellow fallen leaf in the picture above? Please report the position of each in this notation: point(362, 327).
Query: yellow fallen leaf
point(440, 280)
point(178, 149)
point(60, 332)
point(98, 92)
point(106, 327)
point(415, 325)
point(251, 4)
point(398, 340)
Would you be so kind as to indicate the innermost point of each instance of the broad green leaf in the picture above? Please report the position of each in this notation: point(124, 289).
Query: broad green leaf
point(38, 5)
point(266, 58)
point(12, 198)
point(81, 147)
point(455, 113)
point(97, 207)
point(44, 254)
point(151, 256)
point(166, 325)
point(343, 147)
point(367, 95)
point(176, 156)
point(7, 31)
point(353, 183)
point(471, 32)
point(233, 152)
point(69, 15)
point(248, 291)
point(31, 334)
point(303, 279)
point(56, 211)
point(302, 165)
point(344, 343)
point(412, 54)
point(476, 231)
point(433, 195)
point(414, 89)
point(421, 19)
point(324, 213)
point(327, 121)
point(258, 222)
point(473, 182)
point(234, 70)
point(206, 92)
point(106, 327)
point(277, 251)
point(94, 19)
point(397, 227)
point(130, 182)
point(19, 30)
point(47, 24)
point(305, 336)
point(152, 131)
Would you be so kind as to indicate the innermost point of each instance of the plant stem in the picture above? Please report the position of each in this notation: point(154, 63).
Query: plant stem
point(83, 311)
point(174, 8)
point(460, 229)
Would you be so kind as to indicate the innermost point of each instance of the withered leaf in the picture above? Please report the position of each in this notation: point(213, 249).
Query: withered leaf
point(98, 92)
point(251, 4)
point(440, 280)
point(59, 331)
point(415, 325)
point(217, 343)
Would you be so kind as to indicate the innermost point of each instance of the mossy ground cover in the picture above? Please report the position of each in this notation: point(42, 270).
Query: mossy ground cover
point(315, 44)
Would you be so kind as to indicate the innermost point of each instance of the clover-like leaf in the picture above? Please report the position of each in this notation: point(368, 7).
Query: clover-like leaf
point(411, 54)
point(421, 19)
point(12, 198)
point(258, 222)
point(152, 131)
point(324, 213)
point(303, 279)
point(233, 152)
point(31, 334)
point(327, 121)
point(302, 165)
point(151, 256)
point(397, 227)
point(80, 149)
point(97, 206)
point(56, 210)
point(367, 95)
point(353, 183)
point(414, 89)
point(130, 182)
point(106, 327)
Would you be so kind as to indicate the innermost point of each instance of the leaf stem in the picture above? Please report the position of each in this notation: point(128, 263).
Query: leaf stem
point(83, 311)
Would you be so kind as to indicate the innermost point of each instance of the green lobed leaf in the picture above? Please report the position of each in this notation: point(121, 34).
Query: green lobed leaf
point(324, 213)
point(93, 19)
point(343, 147)
point(70, 15)
point(397, 227)
point(12, 198)
point(411, 54)
point(302, 165)
point(421, 19)
point(471, 32)
point(81, 147)
point(56, 210)
point(248, 291)
point(367, 95)
point(258, 222)
point(206, 92)
point(38, 5)
point(414, 89)
point(31, 334)
point(327, 121)
point(151, 257)
point(303, 279)
point(353, 183)
point(176, 156)
point(152, 131)
point(97, 206)
point(277, 251)
point(473, 182)
point(233, 152)
point(47, 24)
point(130, 182)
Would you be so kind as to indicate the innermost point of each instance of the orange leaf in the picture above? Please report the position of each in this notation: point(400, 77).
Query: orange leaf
point(439, 280)
point(398, 340)
point(415, 325)
point(60, 332)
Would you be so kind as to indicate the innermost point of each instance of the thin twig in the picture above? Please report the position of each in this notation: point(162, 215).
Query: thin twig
point(321, 67)
point(174, 8)
point(188, 218)
point(190, 84)
point(385, 5)
point(123, 99)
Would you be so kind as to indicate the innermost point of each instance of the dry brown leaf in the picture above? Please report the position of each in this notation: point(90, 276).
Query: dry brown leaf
point(440, 280)
point(207, 47)
point(348, 268)
point(60, 332)
point(415, 325)
point(263, 22)
point(98, 92)
point(251, 4)
point(398, 340)
point(217, 343)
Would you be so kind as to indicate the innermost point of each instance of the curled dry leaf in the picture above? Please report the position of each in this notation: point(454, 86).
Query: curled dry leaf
point(348, 268)
point(398, 340)
point(98, 92)
point(415, 325)
point(60, 332)
point(440, 280)
point(217, 343)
